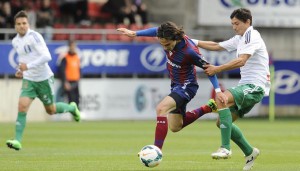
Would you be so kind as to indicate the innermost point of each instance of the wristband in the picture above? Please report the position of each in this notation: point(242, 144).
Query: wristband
point(217, 90)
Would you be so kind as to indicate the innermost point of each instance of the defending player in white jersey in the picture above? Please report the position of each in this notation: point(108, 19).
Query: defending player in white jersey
point(37, 77)
point(253, 61)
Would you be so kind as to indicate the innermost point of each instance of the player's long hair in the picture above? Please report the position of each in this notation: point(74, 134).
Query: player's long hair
point(170, 31)
point(242, 14)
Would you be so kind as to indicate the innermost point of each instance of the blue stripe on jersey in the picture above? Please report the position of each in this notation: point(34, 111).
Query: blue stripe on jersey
point(247, 37)
point(35, 36)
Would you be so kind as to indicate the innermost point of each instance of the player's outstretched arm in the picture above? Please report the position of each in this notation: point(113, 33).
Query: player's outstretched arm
point(127, 32)
point(208, 45)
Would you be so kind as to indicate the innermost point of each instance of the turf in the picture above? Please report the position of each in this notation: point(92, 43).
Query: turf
point(113, 145)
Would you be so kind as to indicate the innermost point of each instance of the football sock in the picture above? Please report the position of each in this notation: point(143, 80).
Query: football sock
point(20, 125)
point(191, 116)
point(225, 126)
point(205, 109)
point(64, 107)
point(161, 131)
point(238, 137)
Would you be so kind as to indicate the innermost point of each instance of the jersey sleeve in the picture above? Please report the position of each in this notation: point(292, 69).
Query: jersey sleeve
point(151, 32)
point(39, 45)
point(231, 44)
point(198, 59)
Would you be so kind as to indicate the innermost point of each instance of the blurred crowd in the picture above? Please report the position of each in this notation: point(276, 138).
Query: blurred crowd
point(51, 13)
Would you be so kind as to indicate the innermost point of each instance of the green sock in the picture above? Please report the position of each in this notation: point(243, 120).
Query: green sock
point(20, 125)
point(225, 126)
point(64, 107)
point(238, 137)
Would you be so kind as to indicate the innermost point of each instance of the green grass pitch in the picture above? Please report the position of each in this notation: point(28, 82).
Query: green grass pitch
point(113, 145)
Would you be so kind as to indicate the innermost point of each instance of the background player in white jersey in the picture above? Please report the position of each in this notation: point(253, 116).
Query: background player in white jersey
point(37, 77)
point(253, 61)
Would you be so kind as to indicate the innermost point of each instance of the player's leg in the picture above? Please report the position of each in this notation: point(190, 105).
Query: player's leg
point(45, 93)
point(224, 123)
point(163, 108)
point(26, 97)
point(254, 95)
point(193, 115)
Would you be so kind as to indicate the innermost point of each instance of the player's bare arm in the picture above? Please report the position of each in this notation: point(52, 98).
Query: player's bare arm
point(209, 45)
point(127, 32)
point(234, 64)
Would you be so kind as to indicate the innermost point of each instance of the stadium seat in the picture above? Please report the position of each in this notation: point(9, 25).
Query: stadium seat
point(111, 36)
point(97, 36)
point(73, 36)
point(85, 36)
point(59, 36)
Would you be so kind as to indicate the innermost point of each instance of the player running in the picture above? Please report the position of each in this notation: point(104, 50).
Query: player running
point(182, 57)
point(253, 61)
point(37, 77)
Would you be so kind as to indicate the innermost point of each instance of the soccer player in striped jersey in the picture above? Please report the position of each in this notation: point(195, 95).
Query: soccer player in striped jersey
point(253, 61)
point(37, 77)
point(182, 57)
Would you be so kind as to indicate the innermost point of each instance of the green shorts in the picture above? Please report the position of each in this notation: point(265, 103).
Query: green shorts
point(44, 90)
point(245, 97)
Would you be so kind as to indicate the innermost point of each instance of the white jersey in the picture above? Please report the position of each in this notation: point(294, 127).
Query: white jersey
point(256, 70)
point(33, 51)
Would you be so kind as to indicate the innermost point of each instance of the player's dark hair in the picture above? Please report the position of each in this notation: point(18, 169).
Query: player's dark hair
point(21, 14)
point(242, 14)
point(170, 31)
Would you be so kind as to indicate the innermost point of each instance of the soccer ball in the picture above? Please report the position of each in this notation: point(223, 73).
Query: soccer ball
point(150, 156)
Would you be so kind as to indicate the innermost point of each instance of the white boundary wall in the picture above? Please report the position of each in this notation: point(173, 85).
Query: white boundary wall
point(109, 99)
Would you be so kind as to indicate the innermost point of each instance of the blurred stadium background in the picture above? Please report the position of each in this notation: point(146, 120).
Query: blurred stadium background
point(124, 78)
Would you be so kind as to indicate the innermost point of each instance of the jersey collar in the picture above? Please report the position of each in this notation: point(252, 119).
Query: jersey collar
point(249, 28)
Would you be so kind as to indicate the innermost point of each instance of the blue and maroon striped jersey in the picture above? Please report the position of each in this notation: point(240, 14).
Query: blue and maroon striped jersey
point(181, 61)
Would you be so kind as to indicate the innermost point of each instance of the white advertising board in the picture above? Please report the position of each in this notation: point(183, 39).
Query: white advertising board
point(265, 13)
point(134, 99)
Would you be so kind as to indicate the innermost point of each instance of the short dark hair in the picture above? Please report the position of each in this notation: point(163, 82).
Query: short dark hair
point(242, 14)
point(21, 14)
point(170, 31)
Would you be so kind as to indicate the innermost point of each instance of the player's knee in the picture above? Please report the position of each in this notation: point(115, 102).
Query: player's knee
point(160, 110)
point(50, 111)
point(175, 128)
point(220, 104)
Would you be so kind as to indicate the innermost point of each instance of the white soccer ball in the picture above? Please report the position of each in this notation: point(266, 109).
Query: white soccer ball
point(150, 156)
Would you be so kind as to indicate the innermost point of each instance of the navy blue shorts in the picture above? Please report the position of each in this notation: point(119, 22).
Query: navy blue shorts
point(182, 96)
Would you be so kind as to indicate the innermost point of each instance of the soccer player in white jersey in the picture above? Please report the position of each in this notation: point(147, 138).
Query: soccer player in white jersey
point(37, 77)
point(253, 61)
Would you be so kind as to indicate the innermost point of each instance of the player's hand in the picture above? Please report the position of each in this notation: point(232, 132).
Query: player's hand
point(23, 67)
point(210, 69)
point(220, 96)
point(127, 32)
point(19, 74)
